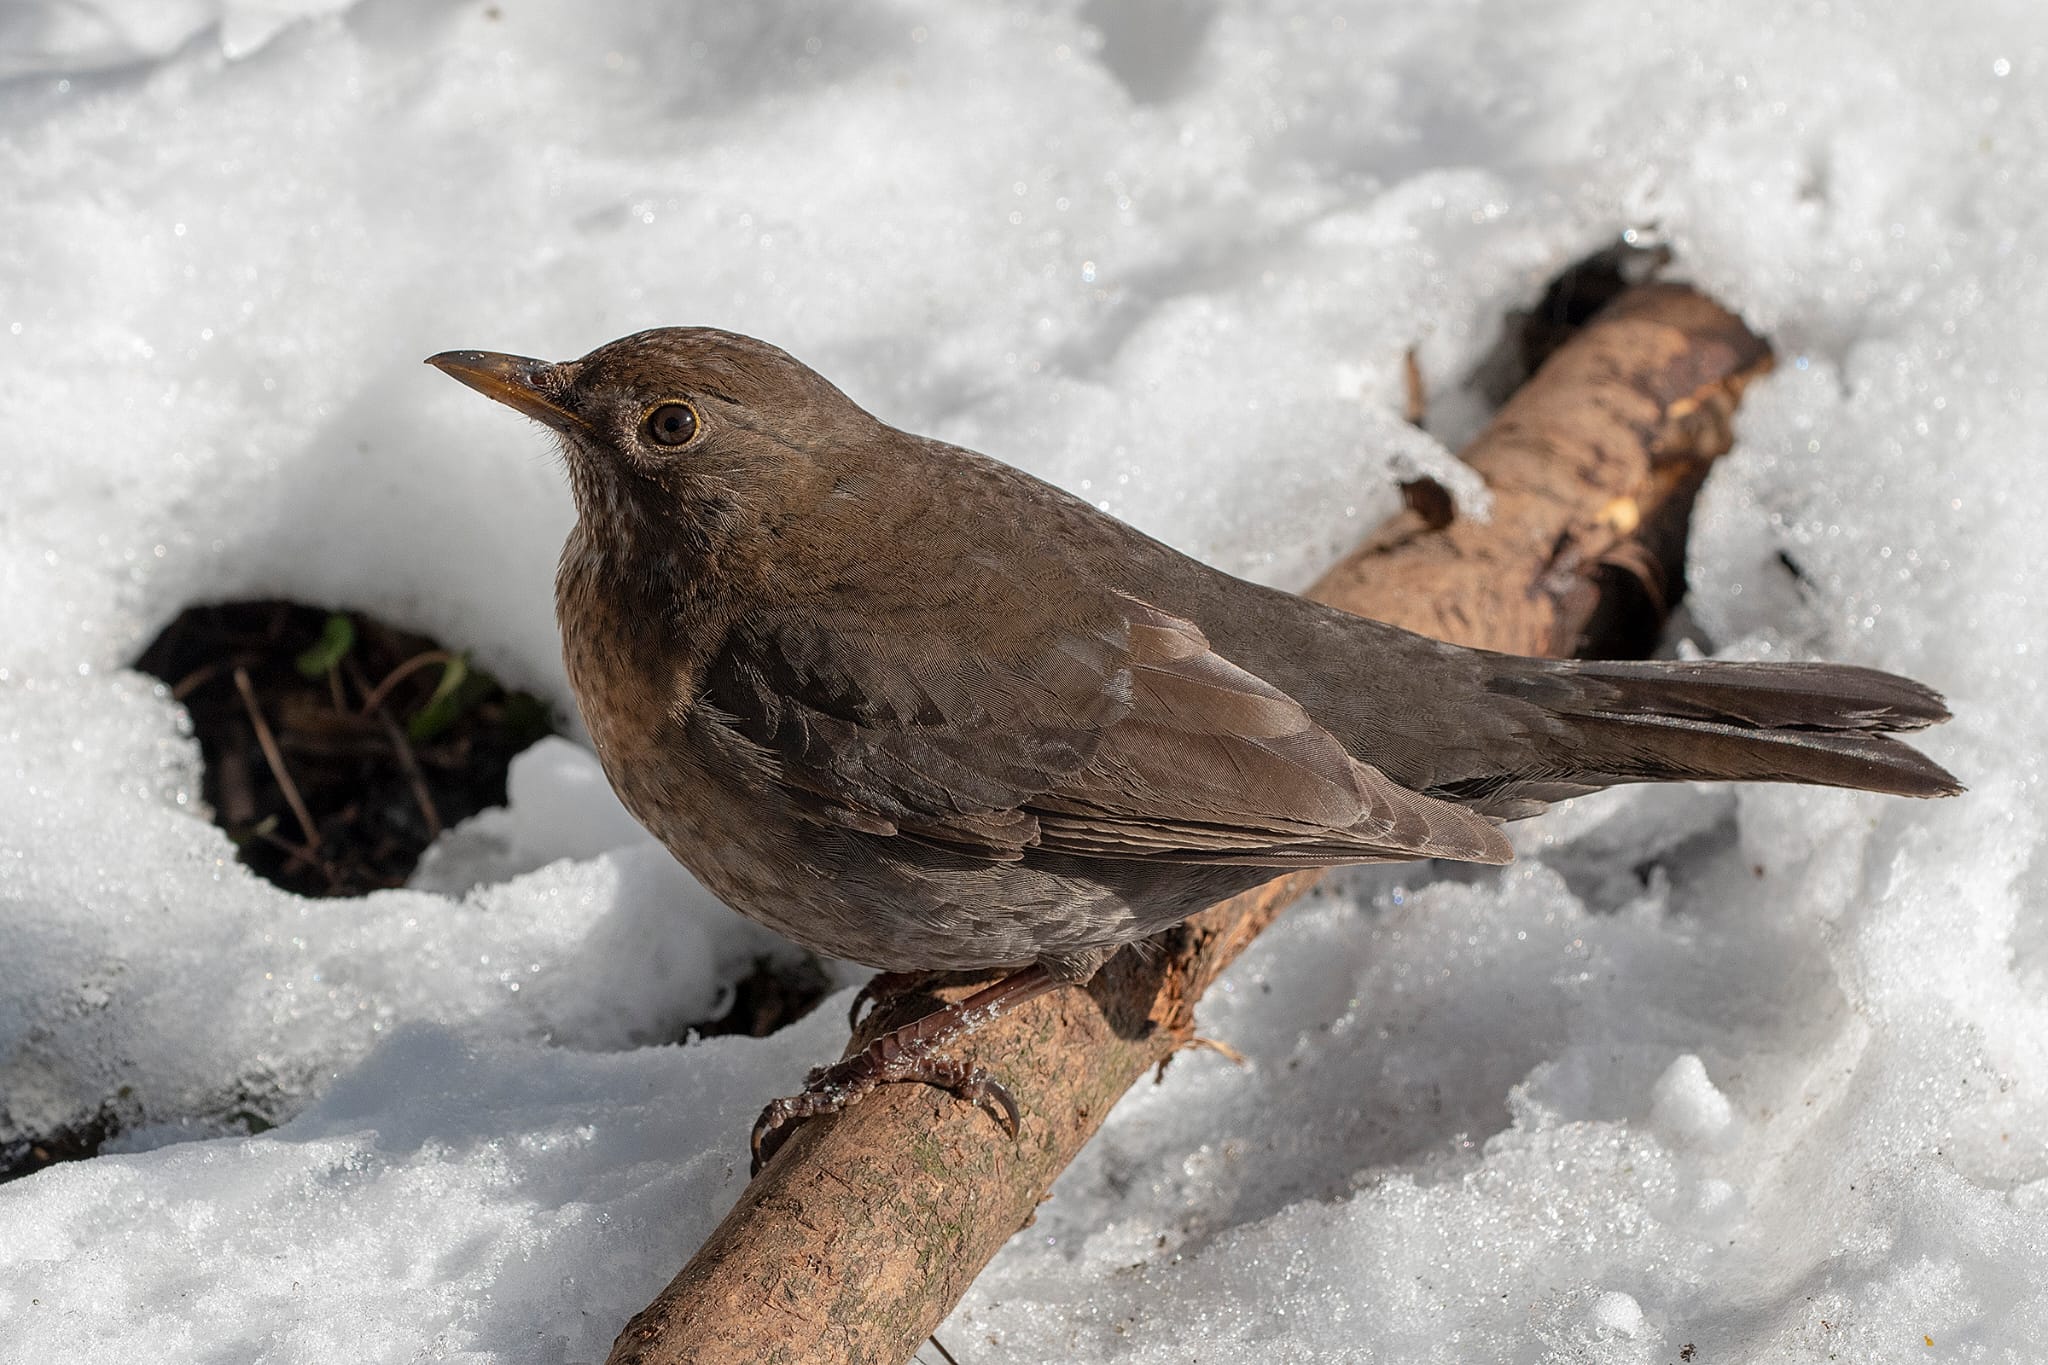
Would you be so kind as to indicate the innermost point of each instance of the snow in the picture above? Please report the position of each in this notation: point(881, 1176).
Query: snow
point(1685, 1106)
point(1760, 1072)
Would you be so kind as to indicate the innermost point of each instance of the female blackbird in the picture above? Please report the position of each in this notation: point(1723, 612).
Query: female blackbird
point(912, 707)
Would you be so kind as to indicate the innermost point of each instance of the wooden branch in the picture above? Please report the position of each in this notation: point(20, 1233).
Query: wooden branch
point(867, 1227)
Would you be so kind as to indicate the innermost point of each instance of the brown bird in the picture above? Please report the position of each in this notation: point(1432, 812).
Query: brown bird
point(916, 708)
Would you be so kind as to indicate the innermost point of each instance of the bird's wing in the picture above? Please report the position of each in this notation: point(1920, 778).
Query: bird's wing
point(881, 724)
point(1214, 764)
point(1114, 733)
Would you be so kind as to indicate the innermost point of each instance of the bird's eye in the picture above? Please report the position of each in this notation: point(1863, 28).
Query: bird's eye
point(669, 424)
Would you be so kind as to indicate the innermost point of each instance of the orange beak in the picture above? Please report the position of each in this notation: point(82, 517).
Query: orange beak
point(530, 386)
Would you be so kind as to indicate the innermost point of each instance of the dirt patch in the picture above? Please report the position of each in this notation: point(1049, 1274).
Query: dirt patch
point(338, 747)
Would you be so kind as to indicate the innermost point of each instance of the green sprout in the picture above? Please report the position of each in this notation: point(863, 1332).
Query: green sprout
point(337, 638)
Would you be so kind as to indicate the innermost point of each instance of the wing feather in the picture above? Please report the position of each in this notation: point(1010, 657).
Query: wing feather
point(1122, 735)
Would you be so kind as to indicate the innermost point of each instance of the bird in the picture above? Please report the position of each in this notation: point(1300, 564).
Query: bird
point(915, 708)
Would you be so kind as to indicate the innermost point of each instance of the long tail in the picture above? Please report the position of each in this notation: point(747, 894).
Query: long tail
point(1828, 724)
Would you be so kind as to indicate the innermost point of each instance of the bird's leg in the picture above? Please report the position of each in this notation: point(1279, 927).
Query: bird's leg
point(910, 1054)
point(876, 989)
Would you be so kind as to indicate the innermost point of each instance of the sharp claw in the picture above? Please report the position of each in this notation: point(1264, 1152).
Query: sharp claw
point(991, 1097)
point(994, 1099)
point(759, 1143)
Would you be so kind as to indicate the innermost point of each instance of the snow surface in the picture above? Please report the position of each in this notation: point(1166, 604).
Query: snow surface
point(1762, 1073)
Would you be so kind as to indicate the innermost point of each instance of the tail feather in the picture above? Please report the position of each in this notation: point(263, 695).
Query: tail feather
point(1772, 696)
point(1828, 724)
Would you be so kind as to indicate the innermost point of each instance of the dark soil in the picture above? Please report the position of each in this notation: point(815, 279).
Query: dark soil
point(384, 737)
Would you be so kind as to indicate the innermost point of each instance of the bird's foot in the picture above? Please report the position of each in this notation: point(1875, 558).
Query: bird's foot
point(829, 1089)
point(910, 1053)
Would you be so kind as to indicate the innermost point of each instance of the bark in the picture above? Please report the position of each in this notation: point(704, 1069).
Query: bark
point(868, 1226)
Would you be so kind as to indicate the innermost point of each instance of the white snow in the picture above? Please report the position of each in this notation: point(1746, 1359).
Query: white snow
point(1759, 1072)
point(1685, 1106)
point(1617, 1313)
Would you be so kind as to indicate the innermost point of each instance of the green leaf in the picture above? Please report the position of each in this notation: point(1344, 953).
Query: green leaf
point(450, 700)
point(337, 638)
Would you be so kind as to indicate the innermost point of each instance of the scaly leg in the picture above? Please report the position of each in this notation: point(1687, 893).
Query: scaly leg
point(909, 1054)
point(878, 988)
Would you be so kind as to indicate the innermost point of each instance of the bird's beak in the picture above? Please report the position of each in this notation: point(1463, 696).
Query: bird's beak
point(528, 385)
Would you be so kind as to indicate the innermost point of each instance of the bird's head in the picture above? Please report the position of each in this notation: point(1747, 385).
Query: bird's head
point(694, 434)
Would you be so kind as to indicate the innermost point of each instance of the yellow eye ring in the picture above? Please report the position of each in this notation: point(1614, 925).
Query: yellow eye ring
point(671, 422)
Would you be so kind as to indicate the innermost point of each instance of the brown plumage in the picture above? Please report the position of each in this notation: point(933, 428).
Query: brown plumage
point(916, 708)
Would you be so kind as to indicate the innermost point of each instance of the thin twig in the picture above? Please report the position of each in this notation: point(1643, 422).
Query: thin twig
point(1197, 1043)
point(1414, 393)
point(298, 851)
point(403, 748)
point(401, 673)
point(275, 758)
point(193, 681)
point(203, 674)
